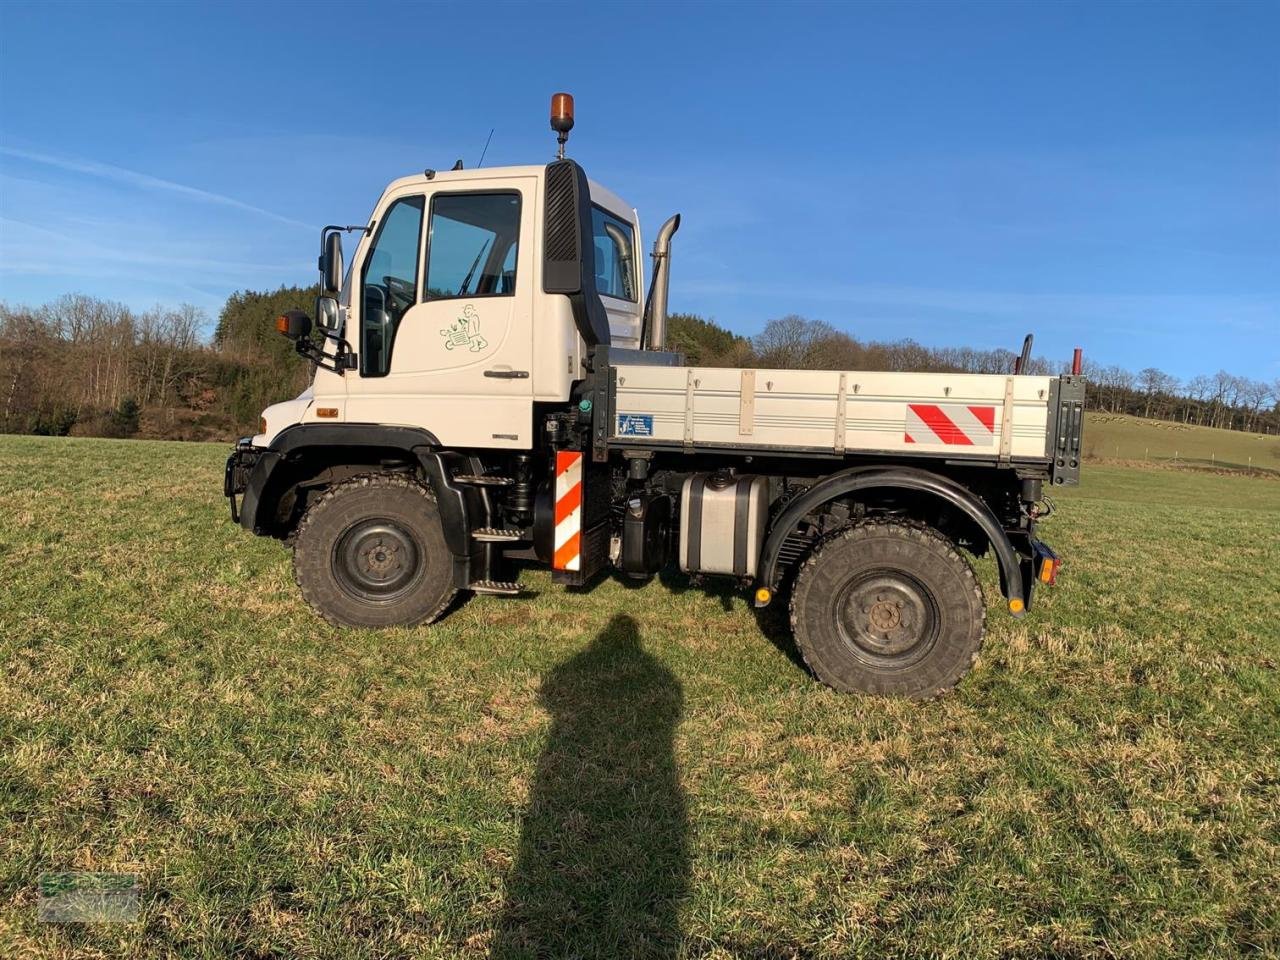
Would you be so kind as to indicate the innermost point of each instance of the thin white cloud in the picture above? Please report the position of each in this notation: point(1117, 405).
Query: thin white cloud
point(144, 181)
point(38, 245)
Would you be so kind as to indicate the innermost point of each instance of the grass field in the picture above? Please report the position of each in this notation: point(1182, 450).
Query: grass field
point(1120, 437)
point(626, 772)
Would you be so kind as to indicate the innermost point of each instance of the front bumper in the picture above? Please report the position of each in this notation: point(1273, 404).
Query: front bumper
point(239, 474)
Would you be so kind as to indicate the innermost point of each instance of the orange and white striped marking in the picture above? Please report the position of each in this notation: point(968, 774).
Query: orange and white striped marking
point(568, 538)
point(955, 424)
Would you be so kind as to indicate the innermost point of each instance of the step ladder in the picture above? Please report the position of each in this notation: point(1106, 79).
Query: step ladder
point(482, 480)
point(499, 588)
point(494, 535)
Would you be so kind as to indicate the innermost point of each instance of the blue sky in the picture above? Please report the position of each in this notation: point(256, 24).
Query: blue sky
point(1103, 175)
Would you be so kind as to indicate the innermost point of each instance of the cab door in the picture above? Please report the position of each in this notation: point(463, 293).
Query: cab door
point(446, 301)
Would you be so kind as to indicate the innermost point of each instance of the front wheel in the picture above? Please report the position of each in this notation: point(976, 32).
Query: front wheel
point(888, 608)
point(371, 553)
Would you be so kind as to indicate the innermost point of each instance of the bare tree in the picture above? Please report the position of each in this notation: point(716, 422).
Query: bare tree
point(1255, 396)
point(1157, 387)
point(794, 342)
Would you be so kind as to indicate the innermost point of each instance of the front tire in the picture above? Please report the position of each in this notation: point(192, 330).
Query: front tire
point(370, 552)
point(888, 608)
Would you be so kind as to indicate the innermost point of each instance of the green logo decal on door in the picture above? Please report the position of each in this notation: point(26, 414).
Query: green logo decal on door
point(465, 332)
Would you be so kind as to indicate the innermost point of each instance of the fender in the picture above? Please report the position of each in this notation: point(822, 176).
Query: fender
point(901, 478)
point(461, 508)
point(350, 435)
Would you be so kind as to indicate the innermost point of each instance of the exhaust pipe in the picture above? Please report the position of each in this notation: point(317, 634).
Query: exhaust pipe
point(653, 336)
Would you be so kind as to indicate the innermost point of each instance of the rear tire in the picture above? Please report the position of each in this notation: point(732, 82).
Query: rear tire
point(370, 552)
point(888, 608)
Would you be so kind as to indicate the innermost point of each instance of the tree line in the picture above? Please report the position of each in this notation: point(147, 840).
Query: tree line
point(85, 366)
point(1221, 400)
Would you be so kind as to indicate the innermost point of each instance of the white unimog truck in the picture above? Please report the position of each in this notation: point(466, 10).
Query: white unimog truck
point(492, 388)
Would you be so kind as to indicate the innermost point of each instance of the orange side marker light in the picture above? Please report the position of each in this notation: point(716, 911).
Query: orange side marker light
point(1049, 571)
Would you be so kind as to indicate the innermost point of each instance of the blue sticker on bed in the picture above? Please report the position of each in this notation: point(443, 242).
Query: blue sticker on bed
point(635, 425)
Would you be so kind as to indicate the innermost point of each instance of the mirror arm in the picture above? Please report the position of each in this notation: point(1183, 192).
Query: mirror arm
point(331, 335)
point(340, 361)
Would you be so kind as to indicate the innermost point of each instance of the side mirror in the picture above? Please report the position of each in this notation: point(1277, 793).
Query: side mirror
point(327, 316)
point(568, 256)
point(295, 325)
point(331, 263)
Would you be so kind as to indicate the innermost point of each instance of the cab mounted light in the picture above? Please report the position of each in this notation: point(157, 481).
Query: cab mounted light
point(295, 325)
point(561, 119)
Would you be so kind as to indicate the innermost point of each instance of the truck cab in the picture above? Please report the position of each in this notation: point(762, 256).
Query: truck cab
point(443, 310)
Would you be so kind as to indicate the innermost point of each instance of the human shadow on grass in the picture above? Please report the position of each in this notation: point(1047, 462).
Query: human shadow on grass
point(603, 862)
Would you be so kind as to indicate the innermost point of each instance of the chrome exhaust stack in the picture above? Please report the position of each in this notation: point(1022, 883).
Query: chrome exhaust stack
point(655, 308)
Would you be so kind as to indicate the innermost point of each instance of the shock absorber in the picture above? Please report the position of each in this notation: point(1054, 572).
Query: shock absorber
point(520, 495)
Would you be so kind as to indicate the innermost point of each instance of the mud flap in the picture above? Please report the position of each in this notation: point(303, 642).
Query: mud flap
point(1031, 566)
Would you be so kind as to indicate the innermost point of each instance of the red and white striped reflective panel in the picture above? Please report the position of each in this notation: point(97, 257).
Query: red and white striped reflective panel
point(568, 548)
point(955, 424)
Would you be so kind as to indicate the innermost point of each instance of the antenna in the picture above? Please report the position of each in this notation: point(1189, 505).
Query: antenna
point(486, 147)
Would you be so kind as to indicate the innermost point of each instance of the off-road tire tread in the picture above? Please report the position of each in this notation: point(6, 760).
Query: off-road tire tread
point(316, 509)
point(911, 530)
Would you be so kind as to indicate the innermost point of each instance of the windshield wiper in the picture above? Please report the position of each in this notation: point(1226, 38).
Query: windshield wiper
point(474, 263)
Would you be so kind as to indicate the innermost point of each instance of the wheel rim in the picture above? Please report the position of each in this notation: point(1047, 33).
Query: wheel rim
point(887, 618)
point(377, 560)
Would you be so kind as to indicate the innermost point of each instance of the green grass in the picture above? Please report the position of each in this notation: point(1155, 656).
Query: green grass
point(626, 771)
point(1120, 437)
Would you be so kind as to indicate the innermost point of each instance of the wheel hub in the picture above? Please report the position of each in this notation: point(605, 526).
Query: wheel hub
point(887, 617)
point(376, 559)
point(884, 616)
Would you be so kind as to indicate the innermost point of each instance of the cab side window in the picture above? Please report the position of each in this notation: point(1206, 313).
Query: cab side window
point(614, 241)
point(389, 283)
point(472, 245)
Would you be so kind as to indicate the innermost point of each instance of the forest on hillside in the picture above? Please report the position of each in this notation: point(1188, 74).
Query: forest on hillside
point(84, 366)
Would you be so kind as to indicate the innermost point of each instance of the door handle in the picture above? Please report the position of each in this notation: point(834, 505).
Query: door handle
point(504, 374)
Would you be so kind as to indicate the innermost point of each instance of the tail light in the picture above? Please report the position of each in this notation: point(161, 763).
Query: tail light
point(1049, 567)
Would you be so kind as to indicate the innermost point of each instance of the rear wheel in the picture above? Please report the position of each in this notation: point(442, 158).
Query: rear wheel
point(371, 553)
point(888, 608)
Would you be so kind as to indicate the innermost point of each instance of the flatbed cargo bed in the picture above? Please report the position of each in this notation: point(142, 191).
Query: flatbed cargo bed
point(978, 417)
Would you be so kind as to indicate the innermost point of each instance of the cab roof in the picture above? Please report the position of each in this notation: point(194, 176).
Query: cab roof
point(600, 195)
